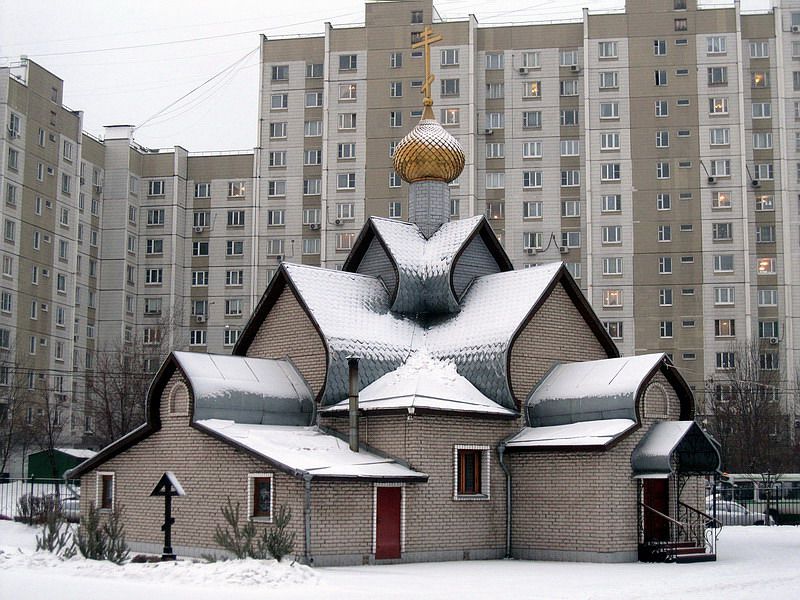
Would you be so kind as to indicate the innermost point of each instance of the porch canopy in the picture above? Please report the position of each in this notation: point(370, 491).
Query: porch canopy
point(674, 446)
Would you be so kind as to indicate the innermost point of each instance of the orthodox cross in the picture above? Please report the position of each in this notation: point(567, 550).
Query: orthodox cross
point(426, 38)
point(168, 486)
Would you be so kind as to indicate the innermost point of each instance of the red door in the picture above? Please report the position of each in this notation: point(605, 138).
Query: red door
point(656, 496)
point(387, 525)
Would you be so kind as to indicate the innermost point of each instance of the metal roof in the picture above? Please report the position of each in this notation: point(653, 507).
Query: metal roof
point(247, 390)
point(586, 434)
point(591, 390)
point(424, 265)
point(694, 450)
point(353, 314)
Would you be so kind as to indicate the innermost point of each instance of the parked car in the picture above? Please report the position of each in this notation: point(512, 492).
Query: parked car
point(71, 508)
point(733, 513)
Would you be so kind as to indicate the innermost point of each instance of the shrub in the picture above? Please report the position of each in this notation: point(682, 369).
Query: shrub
point(56, 536)
point(242, 542)
point(33, 509)
point(104, 541)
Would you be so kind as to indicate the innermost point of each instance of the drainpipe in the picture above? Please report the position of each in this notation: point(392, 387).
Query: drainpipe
point(501, 449)
point(352, 363)
point(307, 521)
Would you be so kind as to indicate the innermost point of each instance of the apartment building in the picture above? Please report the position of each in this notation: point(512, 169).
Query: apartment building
point(653, 149)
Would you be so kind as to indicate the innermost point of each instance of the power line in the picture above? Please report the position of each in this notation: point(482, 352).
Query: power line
point(184, 41)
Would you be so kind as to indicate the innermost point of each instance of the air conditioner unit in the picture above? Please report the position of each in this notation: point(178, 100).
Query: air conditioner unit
point(795, 28)
point(563, 250)
point(198, 228)
point(98, 188)
point(337, 222)
point(14, 133)
point(313, 225)
point(712, 180)
point(83, 180)
point(530, 250)
point(523, 70)
point(755, 183)
point(488, 131)
point(774, 341)
point(797, 422)
point(200, 318)
point(575, 69)
point(279, 257)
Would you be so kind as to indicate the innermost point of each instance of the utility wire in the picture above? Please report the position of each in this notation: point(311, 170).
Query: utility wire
point(192, 91)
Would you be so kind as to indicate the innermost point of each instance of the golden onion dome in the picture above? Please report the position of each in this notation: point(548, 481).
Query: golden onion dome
point(428, 152)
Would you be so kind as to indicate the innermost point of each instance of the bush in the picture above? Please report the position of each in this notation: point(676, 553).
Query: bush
point(56, 536)
point(242, 542)
point(103, 541)
point(33, 509)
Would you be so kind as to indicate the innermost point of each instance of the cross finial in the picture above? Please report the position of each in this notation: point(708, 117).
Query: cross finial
point(426, 38)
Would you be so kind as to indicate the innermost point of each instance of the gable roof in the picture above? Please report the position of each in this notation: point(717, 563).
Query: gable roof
point(254, 389)
point(424, 382)
point(247, 390)
point(424, 266)
point(309, 452)
point(591, 390)
point(696, 453)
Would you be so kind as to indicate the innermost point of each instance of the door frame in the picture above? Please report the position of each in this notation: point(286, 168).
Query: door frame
point(402, 515)
point(654, 528)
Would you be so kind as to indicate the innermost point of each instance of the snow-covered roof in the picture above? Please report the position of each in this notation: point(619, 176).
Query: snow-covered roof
point(310, 451)
point(694, 450)
point(424, 265)
point(591, 390)
point(248, 390)
point(353, 314)
point(424, 382)
point(584, 434)
point(77, 452)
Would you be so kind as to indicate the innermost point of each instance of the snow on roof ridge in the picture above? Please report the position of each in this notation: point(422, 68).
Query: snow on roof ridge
point(301, 267)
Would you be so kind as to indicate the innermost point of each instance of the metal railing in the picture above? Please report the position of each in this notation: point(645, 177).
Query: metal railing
point(691, 530)
point(24, 499)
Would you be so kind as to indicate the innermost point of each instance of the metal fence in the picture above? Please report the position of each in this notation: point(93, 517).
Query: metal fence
point(24, 499)
point(751, 503)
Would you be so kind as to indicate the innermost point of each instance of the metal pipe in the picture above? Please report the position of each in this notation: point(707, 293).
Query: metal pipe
point(352, 363)
point(501, 448)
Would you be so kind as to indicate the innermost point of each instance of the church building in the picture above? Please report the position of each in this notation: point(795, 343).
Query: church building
point(426, 402)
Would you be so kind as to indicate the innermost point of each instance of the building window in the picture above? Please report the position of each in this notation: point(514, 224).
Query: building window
point(494, 60)
point(280, 73)
point(347, 92)
point(570, 178)
point(276, 187)
point(395, 89)
point(568, 87)
point(724, 327)
point(199, 248)
point(568, 58)
point(768, 361)
point(660, 77)
point(314, 70)
point(532, 89)
point(664, 233)
point(665, 297)
point(660, 47)
point(348, 62)
point(717, 75)
point(450, 116)
point(607, 49)
point(313, 99)
point(235, 218)
point(665, 265)
point(768, 297)
point(312, 128)
point(762, 110)
point(105, 490)
point(234, 248)
point(571, 239)
point(720, 168)
point(346, 181)
point(471, 472)
point(532, 149)
point(611, 234)
point(665, 329)
point(765, 266)
point(279, 101)
point(610, 172)
point(198, 337)
point(449, 57)
point(759, 79)
point(312, 187)
point(395, 118)
point(663, 201)
point(155, 216)
point(344, 241)
point(724, 296)
point(609, 141)
point(569, 117)
point(765, 234)
point(530, 60)
point(614, 329)
point(662, 170)
point(611, 203)
point(612, 265)
point(718, 106)
point(236, 189)
point(609, 110)
point(570, 147)
point(395, 181)
point(612, 298)
point(723, 263)
point(346, 151)
point(259, 496)
point(721, 231)
point(765, 203)
point(571, 208)
point(661, 108)
point(681, 25)
point(531, 119)
point(495, 180)
point(719, 136)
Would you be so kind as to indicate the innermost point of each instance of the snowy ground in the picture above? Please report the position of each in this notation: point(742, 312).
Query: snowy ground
point(753, 562)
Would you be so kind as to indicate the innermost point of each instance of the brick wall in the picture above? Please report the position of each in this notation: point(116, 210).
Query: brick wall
point(556, 333)
point(209, 471)
point(287, 331)
point(583, 505)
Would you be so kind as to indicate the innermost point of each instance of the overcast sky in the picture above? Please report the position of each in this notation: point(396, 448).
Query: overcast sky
point(123, 61)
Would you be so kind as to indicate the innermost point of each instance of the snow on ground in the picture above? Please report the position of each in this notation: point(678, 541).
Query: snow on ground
point(753, 562)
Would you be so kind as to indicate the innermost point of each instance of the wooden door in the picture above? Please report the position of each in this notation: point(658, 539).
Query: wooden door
point(656, 496)
point(387, 522)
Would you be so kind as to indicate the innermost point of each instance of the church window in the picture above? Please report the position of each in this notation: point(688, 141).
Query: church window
point(471, 472)
point(260, 496)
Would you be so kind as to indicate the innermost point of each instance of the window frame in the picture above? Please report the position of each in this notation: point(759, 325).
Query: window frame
point(480, 487)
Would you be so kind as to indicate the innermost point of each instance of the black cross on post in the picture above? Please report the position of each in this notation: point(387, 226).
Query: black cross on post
point(168, 486)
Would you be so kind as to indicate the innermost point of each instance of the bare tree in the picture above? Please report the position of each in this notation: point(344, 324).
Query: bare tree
point(743, 403)
point(15, 400)
point(117, 385)
point(50, 406)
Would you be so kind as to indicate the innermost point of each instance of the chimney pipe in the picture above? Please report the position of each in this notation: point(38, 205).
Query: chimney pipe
point(352, 363)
